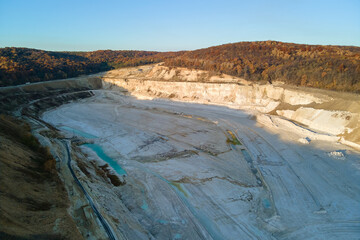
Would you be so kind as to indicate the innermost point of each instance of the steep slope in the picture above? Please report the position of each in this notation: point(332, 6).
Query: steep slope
point(33, 201)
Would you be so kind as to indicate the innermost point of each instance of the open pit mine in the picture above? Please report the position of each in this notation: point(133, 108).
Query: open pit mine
point(154, 152)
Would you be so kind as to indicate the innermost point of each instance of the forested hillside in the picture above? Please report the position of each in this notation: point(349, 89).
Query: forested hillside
point(22, 65)
point(328, 67)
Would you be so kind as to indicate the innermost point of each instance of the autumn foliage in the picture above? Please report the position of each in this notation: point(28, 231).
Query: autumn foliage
point(328, 67)
point(22, 65)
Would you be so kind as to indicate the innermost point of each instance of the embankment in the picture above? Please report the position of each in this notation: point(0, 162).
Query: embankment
point(39, 200)
point(15, 97)
point(33, 200)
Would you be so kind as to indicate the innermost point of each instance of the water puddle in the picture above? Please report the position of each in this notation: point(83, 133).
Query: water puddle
point(101, 154)
point(163, 222)
point(246, 156)
point(266, 203)
point(177, 236)
point(252, 167)
point(144, 205)
point(96, 148)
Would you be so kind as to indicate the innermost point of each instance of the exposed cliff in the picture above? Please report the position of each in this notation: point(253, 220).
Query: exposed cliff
point(330, 112)
point(325, 111)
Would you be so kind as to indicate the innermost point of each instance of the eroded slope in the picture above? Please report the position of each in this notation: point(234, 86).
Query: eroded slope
point(33, 201)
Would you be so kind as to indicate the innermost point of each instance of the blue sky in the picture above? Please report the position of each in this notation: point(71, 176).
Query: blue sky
point(174, 25)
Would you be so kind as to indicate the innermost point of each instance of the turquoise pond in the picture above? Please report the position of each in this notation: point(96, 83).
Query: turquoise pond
point(77, 132)
point(96, 148)
point(101, 154)
point(266, 203)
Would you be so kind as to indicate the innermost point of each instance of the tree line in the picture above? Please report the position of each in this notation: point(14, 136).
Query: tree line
point(327, 67)
point(22, 65)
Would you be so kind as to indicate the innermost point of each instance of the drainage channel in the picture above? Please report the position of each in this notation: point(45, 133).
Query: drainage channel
point(103, 222)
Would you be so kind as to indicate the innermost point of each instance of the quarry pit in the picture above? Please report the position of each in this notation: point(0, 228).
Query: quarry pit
point(173, 153)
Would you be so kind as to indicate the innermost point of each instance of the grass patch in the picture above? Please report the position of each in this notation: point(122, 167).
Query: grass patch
point(178, 186)
point(233, 140)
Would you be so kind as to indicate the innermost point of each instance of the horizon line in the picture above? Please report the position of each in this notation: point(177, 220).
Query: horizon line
point(164, 51)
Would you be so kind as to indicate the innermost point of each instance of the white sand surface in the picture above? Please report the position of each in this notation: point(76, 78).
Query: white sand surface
point(185, 180)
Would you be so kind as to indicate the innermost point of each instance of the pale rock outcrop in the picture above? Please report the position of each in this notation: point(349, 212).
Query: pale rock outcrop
point(325, 111)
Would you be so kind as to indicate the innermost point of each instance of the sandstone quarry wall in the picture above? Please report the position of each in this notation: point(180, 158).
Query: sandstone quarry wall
point(324, 111)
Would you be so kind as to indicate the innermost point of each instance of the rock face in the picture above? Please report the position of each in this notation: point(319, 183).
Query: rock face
point(329, 112)
point(325, 111)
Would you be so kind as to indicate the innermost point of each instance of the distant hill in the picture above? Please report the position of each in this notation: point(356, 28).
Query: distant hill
point(328, 67)
point(21, 65)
